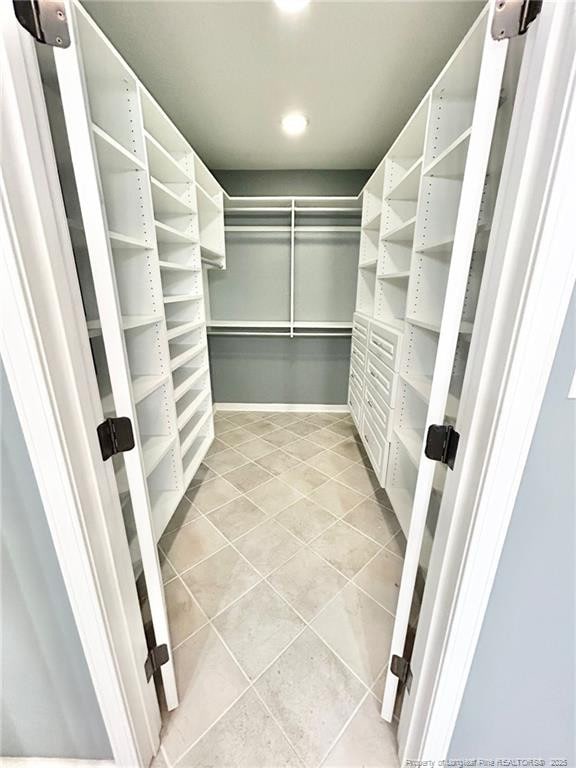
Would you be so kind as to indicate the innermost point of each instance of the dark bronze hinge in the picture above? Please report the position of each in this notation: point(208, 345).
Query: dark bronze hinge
point(157, 656)
point(442, 444)
point(513, 17)
point(115, 436)
point(400, 667)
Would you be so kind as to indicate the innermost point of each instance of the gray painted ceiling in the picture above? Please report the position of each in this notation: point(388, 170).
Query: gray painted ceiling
point(226, 71)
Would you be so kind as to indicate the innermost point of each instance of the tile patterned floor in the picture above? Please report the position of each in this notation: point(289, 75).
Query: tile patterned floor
point(282, 567)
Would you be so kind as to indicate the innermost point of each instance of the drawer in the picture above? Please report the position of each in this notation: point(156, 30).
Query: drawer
point(355, 403)
point(358, 356)
point(361, 322)
point(386, 344)
point(360, 334)
point(376, 447)
point(379, 413)
point(357, 380)
point(383, 379)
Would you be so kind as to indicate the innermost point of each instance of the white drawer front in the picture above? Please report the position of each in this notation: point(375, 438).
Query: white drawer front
point(360, 334)
point(383, 380)
point(355, 404)
point(361, 322)
point(385, 343)
point(377, 448)
point(358, 356)
point(378, 412)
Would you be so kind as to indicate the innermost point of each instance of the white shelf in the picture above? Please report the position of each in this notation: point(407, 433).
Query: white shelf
point(373, 223)
point(450, 163)
point(422, 386)
point(443, 246)
point(466, 327)
point(370, 264)
point(193, 458)
point(407, 186)
point(162, 165)
point(163, 504)
point(167, 234)
point(403, 233)
point(404, 275)
point(186, 355)
point(176, 329)
point(172, 266)
point(193, 434)
point(183, 380)
point(210, 255)
point(112, 156)
point(124, 242)
point(166, 202)
point(154, 448)
point(183, 297)
point(411, 439)
point(128, 322)
point(402, 502)
point(191, 409)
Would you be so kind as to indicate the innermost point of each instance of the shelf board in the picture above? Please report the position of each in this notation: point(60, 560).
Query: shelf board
point(167, 234)
point(395, 275)
point(125, 242)
point(154, 448)
point(411, 439)
point(112, 156)
point(183, 357)
point(192, 461)
point(128, 322)
point(403, 233)
point(209, 254)
point(249, 324)
point(370, 264)
point(191, 409)
point(163, 505)
point(183, 297)
point(142, 386)
point(373, 223)
point(184, 381)
point(178, 329)
point(442, 246)
point(162, 165)
point(206, 197)
point(187, 442)
point(465, 326)
point(166, 202)
point(172, 266)
point(450, 163)
point(422, 386)
point(407, 187)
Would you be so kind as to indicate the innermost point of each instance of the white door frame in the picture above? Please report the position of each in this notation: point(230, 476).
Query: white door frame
point(525, 297)
point(45, 350)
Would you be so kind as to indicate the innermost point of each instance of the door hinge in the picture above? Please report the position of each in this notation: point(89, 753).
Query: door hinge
point(400, 667)
point(115, 436)
point(157, 656)
point(513, 17)
point(45, 20)
point(442, 444)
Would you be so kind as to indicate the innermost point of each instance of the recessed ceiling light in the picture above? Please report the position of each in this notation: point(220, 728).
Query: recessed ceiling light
point(294, 124)
point(291, 6)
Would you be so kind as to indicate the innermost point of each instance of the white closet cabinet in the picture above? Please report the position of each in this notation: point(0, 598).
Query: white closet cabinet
point(425, 220)
point(147, 216)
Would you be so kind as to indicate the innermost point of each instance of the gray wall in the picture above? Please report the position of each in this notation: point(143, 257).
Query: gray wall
point(48, 706)
point(281, 370)
point(520, 696)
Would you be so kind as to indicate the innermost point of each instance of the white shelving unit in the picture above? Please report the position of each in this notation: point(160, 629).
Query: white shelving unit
point(275, 243)
point(410, 219)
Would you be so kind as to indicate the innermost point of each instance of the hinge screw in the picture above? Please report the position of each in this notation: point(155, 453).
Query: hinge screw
point(60, 15)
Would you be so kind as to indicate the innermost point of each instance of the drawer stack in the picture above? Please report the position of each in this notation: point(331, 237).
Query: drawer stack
point(375, 358)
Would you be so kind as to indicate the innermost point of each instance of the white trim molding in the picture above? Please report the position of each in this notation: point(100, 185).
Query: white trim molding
point(54, 762)
point(524, 301)
point(282, 407)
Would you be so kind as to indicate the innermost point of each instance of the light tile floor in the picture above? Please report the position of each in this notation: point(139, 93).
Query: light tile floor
point(282, 566)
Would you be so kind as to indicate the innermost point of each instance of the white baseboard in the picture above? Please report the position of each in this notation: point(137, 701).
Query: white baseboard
point(53, 762)
point(283, 407)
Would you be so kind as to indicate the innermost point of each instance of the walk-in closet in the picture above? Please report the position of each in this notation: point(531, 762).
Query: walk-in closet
point(279, 316)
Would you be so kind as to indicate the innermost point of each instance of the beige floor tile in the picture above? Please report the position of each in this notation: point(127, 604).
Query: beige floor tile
point(311, 694)
point(246, 737)
point(220, 580)
point(367, 741)
point(237, 436)
point(345, 548)
point(192, 543)
point(247, 477)
point(305, 519)
point(358, 630)
point(304, 478)
point(168, 573)
point(257, 628)
point(344, 427)
point(184, 616)
point(374, 520)
point(278, 461)
point(268, 546)
point(255, 448)
point(323, 419)
point(209, 681)
point(381, 579)
point(260, 428)
point(307, 582)
point(222, 426)
point(336, 498)
point(330, 463)
point(303, 449)
point(382, 498)
point(216, 447)
point(226, 460)
point(325, 438)
point(303, 428)
point(237, 517)
point(213, 494)
point(274, 496)
point(280, 437)
point(202, 474)
point(242, 419)
point(360, 478)
point(398, 544)
point(184, 513)
point(350, 449)
point(281, 419)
